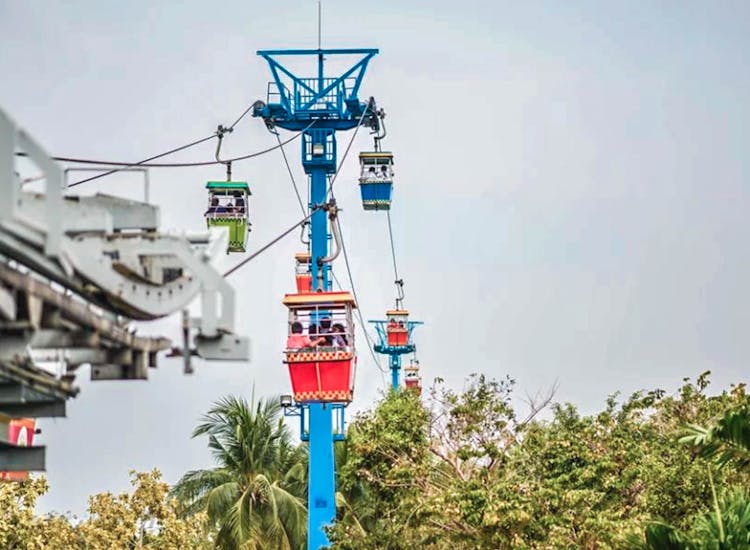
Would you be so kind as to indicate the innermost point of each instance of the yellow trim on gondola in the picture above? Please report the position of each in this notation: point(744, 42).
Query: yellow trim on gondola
point(326, 300)
point(309, 356)
point(397, 313)
point(337, 395)
point(375, 154)
point(302, 257)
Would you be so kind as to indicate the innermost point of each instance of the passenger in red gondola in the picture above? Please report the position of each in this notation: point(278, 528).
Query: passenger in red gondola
point(298, 340)
point(325, 330)
point(339, 336)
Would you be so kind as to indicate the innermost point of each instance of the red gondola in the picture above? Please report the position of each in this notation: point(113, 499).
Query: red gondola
point(398, 327)
point(320, 348)
point(412, 379)
point(302, 272)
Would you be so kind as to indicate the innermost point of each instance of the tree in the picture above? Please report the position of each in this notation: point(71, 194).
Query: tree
point(726, 524)
point(383, 470)
point(727, 441)
point(145, 519)
point(470, 472)
point(255, 497)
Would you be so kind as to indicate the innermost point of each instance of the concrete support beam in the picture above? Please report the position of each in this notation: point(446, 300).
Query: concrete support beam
point(52, 409)
point(14, 392)
point(115, 372)
point(22, 459)
point(7, 304)
point(56, 339)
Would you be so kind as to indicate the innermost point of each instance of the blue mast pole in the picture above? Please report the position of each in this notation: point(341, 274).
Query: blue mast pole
point(395, 370)
point(319, 106)
point(321, 497)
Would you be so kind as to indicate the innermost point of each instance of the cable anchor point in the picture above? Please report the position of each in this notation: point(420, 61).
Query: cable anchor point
point(220, 132)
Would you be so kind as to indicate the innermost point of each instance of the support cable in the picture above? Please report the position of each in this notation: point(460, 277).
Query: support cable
point(346, 151)
point(218, 134)
point(273, 241)
point(399, 282)
point(148, 164)
point(356, 299)
point(291, 175)
point(141, 163)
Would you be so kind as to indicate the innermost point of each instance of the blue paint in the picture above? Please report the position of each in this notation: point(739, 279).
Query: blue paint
point(320, 106)
point(394, 352)
point(321, 498)
point(376, 195)
point(395, 370)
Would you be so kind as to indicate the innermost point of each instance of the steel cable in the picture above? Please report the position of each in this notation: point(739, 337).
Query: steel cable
point(356, 299)
point(291, 175)
point(271, 242)
point(397, 281)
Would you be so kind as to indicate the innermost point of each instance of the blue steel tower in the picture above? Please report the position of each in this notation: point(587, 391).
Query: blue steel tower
point(395, 340)
point(319, 106)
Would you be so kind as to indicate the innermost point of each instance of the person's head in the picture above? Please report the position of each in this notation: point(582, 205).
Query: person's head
point(372, 169)
point(384, 168)
point(215, 201)
point(313, 329)
point(338, 327)
point(325, 322)
point(296, 327)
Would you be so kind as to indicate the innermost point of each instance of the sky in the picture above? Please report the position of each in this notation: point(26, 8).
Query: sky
point(572, 181)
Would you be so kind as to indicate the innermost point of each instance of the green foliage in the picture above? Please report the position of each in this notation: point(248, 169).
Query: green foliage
point(464, 470)
point(383, 470)
point(255, 497)
point(144, 519)
point(470, 472)
point(727, 441)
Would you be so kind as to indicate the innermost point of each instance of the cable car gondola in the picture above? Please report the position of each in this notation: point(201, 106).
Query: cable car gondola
point(302, 272)
point(228, 207)
point(376, 179)
point(397, 329)
point(320, 350)
point(412, 379)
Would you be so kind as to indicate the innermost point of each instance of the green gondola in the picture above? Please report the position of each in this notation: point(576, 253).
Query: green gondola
point(228, 207)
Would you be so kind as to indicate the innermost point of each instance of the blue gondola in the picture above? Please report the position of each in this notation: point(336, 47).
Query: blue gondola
point(376, 179)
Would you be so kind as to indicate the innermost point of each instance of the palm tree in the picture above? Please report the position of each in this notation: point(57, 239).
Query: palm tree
point(727, 525)
point(255, 497)
point(728, 440)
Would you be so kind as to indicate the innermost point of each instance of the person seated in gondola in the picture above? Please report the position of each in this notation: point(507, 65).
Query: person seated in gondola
point(213, 206)
point(239, 203)
point(221, 209)
point(314, 331)
point(384, 172)
point(338, 336)
point(371, 174)
point(298, 340)
point(325, 330)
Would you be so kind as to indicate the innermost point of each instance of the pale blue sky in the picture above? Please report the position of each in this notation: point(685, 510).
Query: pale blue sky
point(571, 196)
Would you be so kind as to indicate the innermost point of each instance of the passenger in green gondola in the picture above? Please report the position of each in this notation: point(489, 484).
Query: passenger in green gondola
point(298, 340)
point(239, 203)
point(213, 206)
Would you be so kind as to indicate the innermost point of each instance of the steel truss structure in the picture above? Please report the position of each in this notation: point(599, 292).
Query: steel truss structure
point(75, 272)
